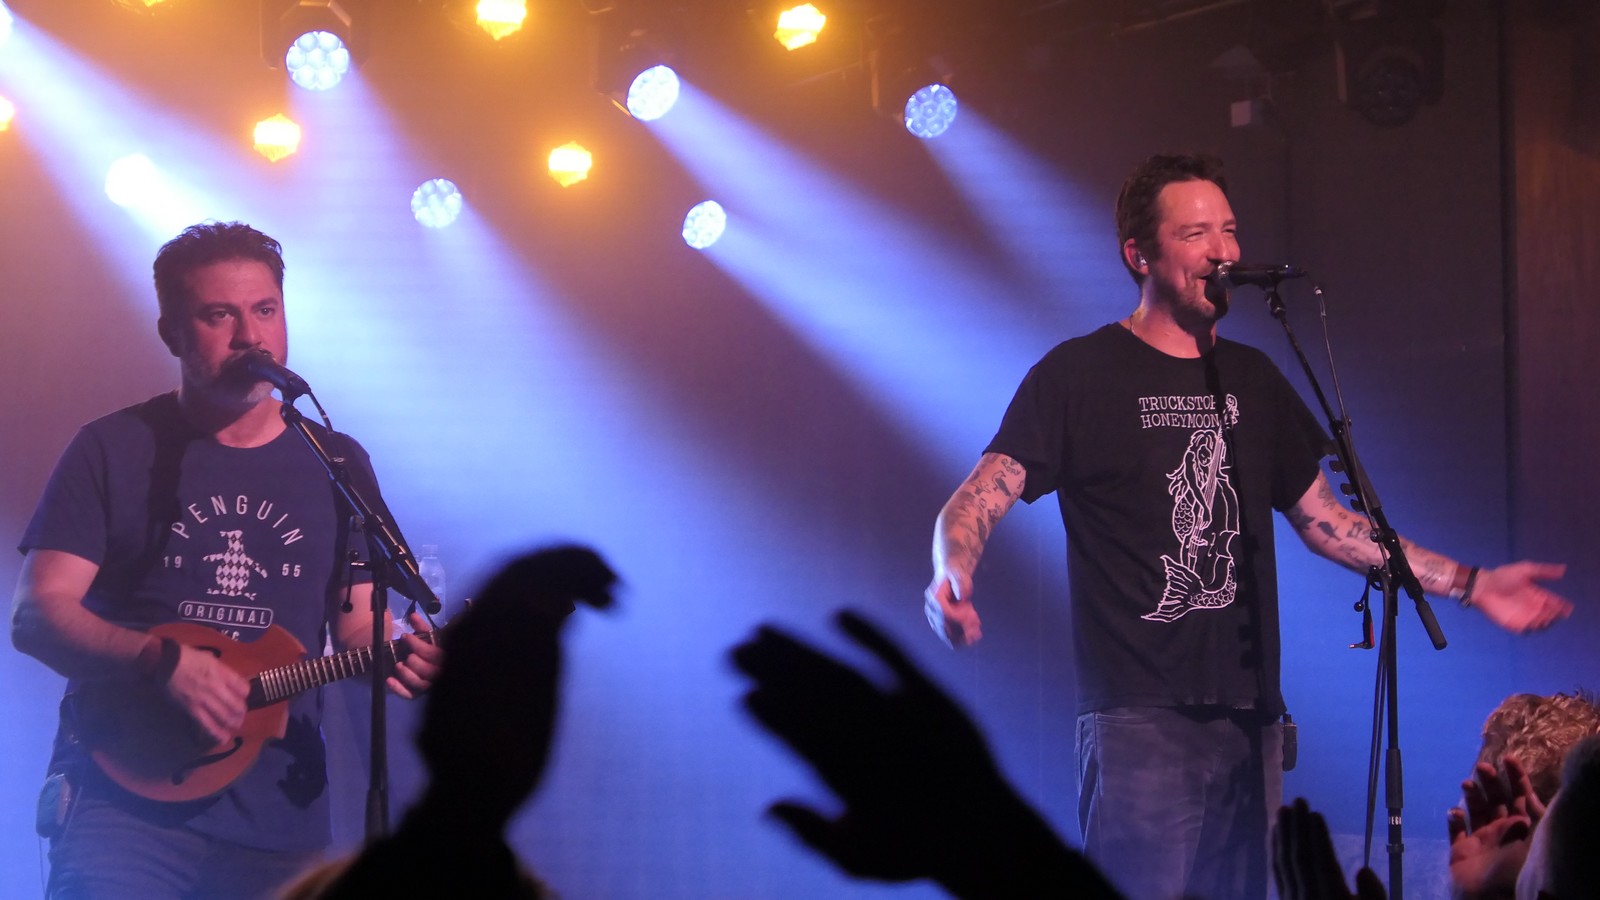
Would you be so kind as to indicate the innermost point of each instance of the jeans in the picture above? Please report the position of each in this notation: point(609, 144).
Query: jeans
point(1177, 802)
point(105, 852)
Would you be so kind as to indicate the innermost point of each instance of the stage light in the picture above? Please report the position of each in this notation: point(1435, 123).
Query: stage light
point(653, 93)
point(131, 181)
point(436, 203)
point(931, 110)
point(502, 18)
point(317, 60)
point(704, 224)
point(910, 81)
point(633, 59)
point(7, 112)
point(1389, 66)
point(277, 137)
point(314, 40)
point(570, 163)
point(799, 26)
point(141, 6)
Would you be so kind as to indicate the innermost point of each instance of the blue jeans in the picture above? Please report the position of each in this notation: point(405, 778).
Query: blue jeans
point(105, 852)
point(1177, 802)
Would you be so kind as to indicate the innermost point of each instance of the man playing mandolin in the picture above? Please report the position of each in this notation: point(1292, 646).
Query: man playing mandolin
point(198, 507)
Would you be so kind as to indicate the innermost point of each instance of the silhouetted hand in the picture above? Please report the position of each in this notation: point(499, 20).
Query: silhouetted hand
point(1304, 864)
point(923, 797)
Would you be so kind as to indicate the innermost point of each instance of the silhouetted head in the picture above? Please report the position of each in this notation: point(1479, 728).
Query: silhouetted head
point(491, 712)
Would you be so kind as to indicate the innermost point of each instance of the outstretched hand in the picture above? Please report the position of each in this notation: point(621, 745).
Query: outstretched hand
point(1490, 837)
point(1304, 864)
point(1513, 598)
point(922, 794)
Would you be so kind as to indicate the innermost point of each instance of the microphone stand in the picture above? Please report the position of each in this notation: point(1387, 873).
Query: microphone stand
point(1394, 575)
point(387, 554)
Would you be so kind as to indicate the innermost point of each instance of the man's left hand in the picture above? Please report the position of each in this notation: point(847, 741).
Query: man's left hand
point(415, 674)
point(1512, 597)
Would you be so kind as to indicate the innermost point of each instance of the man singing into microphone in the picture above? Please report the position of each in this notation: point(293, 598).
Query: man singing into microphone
point(194, 506)
point(1168, 449)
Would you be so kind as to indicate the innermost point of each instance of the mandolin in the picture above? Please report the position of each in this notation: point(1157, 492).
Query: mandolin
point(144, 743)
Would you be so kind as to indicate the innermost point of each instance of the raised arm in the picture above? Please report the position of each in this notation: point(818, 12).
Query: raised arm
point(1510, 595)
point(50, 623)
point(959, 536)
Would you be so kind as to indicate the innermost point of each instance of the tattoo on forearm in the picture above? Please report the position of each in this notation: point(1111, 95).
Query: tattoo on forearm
point(1347, 538)
point(971, 515)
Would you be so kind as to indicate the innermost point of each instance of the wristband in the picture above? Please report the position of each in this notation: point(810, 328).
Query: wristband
point(1466, 592)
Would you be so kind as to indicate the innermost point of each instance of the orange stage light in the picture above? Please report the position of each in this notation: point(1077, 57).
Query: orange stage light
point(502, 17)
point(277, 137)
point(799, 26)
point(570, 163)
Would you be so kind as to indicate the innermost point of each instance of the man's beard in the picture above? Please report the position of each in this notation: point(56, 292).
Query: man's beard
point(229, 386)
point(1218, 295)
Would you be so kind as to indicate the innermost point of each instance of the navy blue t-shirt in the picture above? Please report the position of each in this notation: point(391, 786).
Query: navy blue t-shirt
point(186, 529)
point(1167, 471)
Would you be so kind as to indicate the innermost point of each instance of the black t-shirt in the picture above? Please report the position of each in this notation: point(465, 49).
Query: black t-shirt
point(1167, 471)
point(238, 539)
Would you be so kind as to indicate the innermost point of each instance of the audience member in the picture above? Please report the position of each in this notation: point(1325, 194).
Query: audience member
point(1562, 862)
point(1304, 864)
point(485, 736)
point(1539, 731)
point(923, 796)
point(1518, 771)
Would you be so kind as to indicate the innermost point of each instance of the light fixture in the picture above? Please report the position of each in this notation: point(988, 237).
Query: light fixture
point(570, 163)
point(277, 137)
point(909, 84)
point(633, 64)
point(314, 40)
point(798, 26)
point(317, 60)
point(1389, 65)
point(704, 224)
point(140, 6)
point(653, 93)
point(436, 203)
point(502, 18)
point(931, 110)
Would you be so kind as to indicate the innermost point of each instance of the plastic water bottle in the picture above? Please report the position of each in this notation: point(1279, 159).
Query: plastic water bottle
point(432, 572)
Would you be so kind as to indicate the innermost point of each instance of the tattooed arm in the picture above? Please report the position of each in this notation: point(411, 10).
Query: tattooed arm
point(959, 535)
point(1509, 595)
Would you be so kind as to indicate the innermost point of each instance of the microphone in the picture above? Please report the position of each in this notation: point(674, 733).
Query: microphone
point(1230, 275)
point(260, 366)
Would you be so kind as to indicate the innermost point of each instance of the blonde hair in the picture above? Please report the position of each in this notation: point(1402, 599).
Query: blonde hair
point(1539, 731)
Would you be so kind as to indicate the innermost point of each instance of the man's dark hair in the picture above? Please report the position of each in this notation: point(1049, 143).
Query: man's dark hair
point(1136, 204)
point(201, 245)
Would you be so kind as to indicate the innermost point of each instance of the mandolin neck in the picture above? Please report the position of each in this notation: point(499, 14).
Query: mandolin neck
point(283, 682)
